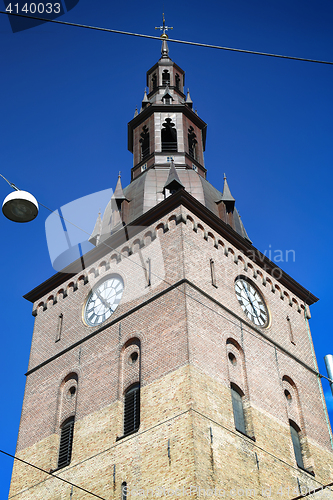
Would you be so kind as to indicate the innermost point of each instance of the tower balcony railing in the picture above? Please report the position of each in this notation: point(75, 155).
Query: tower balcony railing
point(169, 146)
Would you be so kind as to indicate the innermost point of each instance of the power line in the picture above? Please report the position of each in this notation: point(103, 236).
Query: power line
point(52, 475)
point(221, 315)
point(159, 424)
point(186, 43)
point(173, 40)
point(313, 492)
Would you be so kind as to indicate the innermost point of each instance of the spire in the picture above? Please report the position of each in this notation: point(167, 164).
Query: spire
point(164, 36)
point(189, 101)
point(239, 226)
point(228, 212)
point(145, 98)
point(165, 50)
point(136, 112)
point(226, 195)
point(97, 231)
point(118, 193)
point(173, 182)
point(167, 93)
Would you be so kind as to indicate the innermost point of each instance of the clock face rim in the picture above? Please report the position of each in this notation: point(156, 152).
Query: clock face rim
point(92, 291)
point(253, 285)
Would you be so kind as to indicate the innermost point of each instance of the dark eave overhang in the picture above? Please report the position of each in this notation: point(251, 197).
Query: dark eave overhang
point(149, 110)
point(181, 197)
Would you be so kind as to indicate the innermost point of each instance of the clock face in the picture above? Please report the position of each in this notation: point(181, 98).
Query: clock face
point(103, 300)
point(251, 302)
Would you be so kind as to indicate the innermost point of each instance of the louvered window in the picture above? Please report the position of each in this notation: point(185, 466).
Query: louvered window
point(124, 491)
point(66, 441)
point(177, 81)
point(165, 78)
point(296, 444)
point(237, 406)
point(169, 136)
point(132, 410)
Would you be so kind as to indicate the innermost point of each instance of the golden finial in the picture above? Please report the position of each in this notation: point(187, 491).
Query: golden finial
point(164, 28)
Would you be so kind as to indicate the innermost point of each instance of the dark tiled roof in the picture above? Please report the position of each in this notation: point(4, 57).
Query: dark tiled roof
point(148, 190)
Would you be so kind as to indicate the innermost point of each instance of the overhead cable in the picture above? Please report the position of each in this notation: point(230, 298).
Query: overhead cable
point(173, 40)
point(52, 475)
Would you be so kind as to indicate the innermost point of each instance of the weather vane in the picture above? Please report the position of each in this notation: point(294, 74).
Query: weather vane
point(164, 29)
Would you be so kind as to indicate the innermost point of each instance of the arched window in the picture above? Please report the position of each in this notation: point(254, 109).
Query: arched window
point(124, 491)
point(144, 142)
point(177, 79)
point(294, 431)
point(238, 410)
point(169, 136)
point(154, 81)
point(132, 409)
point(165, 78)
point(192, 143)
point(66, 442)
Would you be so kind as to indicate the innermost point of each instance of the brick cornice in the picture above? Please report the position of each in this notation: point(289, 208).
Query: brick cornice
point(183, 281)
point(180, 198)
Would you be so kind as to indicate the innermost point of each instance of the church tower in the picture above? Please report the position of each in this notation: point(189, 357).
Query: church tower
point(174, 359)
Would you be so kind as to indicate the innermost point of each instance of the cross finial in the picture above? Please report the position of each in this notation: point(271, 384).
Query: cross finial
point(164, 29)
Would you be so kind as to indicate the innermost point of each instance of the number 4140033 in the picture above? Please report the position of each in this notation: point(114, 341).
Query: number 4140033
point(33, 8)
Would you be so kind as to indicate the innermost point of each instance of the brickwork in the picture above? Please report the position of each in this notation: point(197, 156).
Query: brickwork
point(183, 335)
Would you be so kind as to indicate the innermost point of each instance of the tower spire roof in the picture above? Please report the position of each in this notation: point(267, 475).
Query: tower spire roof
point(226, 195)
point(118, 192)
point(97, 231)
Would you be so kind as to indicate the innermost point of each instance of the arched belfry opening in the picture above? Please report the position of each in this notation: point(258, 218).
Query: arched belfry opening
point(169, 136)
point(192, 143)
point(177, 81)
point(144, 142)
point(165, 78)
point(154, 81)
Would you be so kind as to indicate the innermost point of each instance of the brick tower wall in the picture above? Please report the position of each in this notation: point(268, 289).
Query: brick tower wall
point(183, 334)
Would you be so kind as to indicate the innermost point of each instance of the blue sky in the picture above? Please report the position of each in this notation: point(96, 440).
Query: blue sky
point(68, 93)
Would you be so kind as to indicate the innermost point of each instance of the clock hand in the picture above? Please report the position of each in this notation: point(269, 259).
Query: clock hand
point(104, 302)
point(248, 296)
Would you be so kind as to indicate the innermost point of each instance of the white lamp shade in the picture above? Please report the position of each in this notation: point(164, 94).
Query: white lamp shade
point(20, 206)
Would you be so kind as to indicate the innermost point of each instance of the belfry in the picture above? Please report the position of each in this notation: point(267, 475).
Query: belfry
point(174, 359)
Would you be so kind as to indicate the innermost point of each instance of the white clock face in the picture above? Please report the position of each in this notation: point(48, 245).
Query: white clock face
point(103, 300)
point(251, 302)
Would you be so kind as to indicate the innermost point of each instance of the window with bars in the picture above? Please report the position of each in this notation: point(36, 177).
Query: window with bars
point(238, 409)
point(294, 431)
point(132, 410)
point(66, 442)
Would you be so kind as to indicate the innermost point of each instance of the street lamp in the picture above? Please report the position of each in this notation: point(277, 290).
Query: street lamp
point(19, 206)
